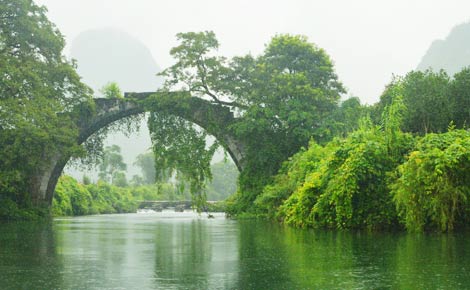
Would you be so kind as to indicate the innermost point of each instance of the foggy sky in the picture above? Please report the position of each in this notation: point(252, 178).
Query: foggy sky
point(369, 40)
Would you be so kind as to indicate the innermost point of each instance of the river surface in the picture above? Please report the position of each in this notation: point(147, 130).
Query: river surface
point(185, 251)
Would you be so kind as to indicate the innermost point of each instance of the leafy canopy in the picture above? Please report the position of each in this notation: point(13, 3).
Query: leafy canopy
point(281, 99)
point(431, 191)
point(112, 164)
point(432, 99)
point(343, 184)
point(37, 87)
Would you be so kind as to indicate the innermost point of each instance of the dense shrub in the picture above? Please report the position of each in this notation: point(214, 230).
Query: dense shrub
point(348, 188)
point(371, 180)
point(73, 198)
point(290, 177)
point(11, 211)
point(432, 189)
point(111, 199)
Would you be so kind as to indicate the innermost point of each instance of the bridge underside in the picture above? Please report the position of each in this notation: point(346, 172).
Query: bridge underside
point(213, 118)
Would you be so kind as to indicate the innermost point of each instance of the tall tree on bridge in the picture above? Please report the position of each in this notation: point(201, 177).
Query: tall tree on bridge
point(281, 98)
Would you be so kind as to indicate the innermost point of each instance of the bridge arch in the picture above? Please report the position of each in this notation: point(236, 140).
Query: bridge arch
point(213, 118)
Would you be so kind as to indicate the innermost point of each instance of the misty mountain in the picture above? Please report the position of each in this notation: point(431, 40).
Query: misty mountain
point(112, 55)
point(451, 54)
point(105, 55)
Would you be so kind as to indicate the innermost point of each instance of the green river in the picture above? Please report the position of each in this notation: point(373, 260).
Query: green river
point(185, 251)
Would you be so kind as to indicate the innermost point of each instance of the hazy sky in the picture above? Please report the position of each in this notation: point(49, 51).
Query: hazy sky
point(369, 40)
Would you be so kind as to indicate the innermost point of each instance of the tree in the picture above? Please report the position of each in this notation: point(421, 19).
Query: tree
point(112, 165)
point(38, 91)
point(111, 90)
point(344, 119)
point(281, 97)
point(86, 180)
point(426, 98)
point(224, 181)
point(181, 148)
point(119, 179)
point(136, 180)
point(460, 96)
point(146, 162)
point(343, 184)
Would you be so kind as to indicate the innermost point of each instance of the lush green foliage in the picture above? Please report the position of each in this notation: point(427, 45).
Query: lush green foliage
point(146, 162)
point(344, 183)
point(181, 148)
point(377, 178)
point(223, 183)
point(432, 100)
point(12, 211)
point(344, 119)
point(348, 187)
point(112, 166)
point(111, 90)
point(111, 199)
point(460, 98)
point(38, 91)
point(224, 180)
point(432, 190)
point(73, 198)
point(158, 191)
point(290, 177)
point(281, 99)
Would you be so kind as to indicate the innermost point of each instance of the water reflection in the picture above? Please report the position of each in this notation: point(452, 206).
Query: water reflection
point(263, 256)
point(185, 251)
point(199, 254)
point(433, 261)
point(307, 259)
point(156, 251)
point(28, 257)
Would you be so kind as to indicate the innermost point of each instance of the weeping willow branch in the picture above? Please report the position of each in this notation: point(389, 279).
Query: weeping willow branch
point(181, 148)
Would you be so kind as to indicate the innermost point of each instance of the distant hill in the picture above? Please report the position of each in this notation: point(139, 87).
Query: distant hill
point(111, 55)
point(451, 54)
point(105, 55)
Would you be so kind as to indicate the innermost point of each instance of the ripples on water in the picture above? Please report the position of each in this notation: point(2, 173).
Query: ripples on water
point(171, 250)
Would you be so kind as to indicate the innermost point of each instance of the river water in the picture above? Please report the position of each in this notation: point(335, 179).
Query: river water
point(185, 251)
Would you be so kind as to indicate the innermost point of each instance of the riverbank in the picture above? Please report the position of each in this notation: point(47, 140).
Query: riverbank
point(11, 211)
point(375, 180)
point(73, 198)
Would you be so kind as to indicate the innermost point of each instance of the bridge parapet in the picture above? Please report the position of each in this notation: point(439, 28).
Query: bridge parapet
point(107, 111)
point(213, 118)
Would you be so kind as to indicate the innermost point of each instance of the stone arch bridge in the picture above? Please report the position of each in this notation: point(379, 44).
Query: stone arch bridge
point(212, 117)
